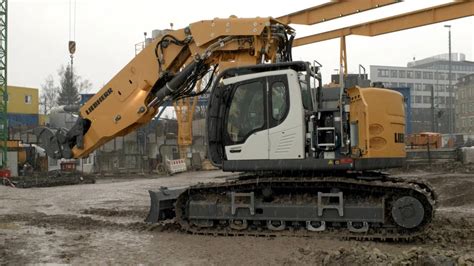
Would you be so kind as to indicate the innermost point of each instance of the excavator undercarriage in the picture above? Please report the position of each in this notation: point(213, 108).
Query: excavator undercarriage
point(370, 206)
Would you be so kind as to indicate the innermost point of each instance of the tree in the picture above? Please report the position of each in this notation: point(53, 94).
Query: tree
point(69, 93)
point(66, 93)
point(71, 85)
point(49, 95)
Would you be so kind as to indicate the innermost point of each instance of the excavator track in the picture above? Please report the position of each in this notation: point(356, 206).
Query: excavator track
point(238, 208)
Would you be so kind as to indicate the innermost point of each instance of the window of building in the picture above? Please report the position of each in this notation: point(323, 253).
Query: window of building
point(410, 85)
point(393, 84)
point(443, 76)
point(418, 87)
point(28, 99)
point(393, 73)
point(410, 74)
point(426, 99)
point(427, 87)
point(449, 100)
point(418, 74)
point(402, 74)
point(441, 100)
point(427, 75)
point(383, 73)
point(403, 84)
point(418, 99)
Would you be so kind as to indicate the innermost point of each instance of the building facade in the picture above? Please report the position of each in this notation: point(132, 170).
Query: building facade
point(465, 105)
point(23, 105)
point(422, 77)
point(22, 109)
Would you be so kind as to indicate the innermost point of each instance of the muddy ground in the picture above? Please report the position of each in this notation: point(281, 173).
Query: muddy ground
point(103, 223)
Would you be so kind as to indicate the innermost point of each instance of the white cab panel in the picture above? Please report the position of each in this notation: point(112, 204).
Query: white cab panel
point(288, 138)
point(254, 148)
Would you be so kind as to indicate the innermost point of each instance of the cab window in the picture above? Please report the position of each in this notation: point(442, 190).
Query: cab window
point(246, 112)
point(279, 101)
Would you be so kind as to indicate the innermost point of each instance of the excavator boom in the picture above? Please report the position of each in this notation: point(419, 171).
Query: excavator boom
point(168, 68)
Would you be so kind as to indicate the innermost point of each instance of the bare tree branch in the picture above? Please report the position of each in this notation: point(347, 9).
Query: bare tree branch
point(49, 95)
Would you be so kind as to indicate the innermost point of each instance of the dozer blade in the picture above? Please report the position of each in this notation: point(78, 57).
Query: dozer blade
point(162, 204)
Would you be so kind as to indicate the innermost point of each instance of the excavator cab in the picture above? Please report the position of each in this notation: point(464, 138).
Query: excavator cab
point(278, 117)
point(258, 113)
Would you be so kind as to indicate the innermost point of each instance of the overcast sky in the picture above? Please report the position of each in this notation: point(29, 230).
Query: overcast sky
point(107, 30)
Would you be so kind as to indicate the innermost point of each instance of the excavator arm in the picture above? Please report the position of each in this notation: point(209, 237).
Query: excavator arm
point(168, 68)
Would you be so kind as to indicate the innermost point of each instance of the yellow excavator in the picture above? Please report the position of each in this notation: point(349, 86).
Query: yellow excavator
point(309, 154)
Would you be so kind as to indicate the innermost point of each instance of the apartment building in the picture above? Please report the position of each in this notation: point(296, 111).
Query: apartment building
point(465, 105)
point(421, 76)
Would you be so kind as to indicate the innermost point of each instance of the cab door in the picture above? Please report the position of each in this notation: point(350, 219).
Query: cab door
point(246, 125)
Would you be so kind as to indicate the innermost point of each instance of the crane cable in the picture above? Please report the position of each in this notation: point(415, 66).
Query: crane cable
point(72, 30)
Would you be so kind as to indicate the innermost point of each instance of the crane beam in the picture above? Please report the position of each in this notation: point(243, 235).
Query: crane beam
point(428, 16)
point(332, 10)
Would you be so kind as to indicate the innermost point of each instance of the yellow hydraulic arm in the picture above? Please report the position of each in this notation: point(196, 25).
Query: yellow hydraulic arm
point(168, 68)
point(184, 110)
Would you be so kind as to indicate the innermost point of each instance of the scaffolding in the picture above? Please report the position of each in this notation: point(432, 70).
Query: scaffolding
point(3, 84)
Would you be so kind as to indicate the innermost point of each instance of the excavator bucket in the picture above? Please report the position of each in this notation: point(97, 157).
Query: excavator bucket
point(162, 204)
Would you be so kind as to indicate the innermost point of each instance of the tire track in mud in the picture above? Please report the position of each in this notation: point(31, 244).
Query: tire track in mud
point(73, 222)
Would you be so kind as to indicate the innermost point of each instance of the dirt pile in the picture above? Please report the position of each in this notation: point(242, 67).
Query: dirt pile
point(454, 190)
point(447, 232)
point(363, 255)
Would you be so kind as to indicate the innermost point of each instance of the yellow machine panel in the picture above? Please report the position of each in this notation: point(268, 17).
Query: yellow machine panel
point(379, 116)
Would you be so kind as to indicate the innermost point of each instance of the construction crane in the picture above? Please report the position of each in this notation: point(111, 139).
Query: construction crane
point(309, 152)
point(4, 171)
